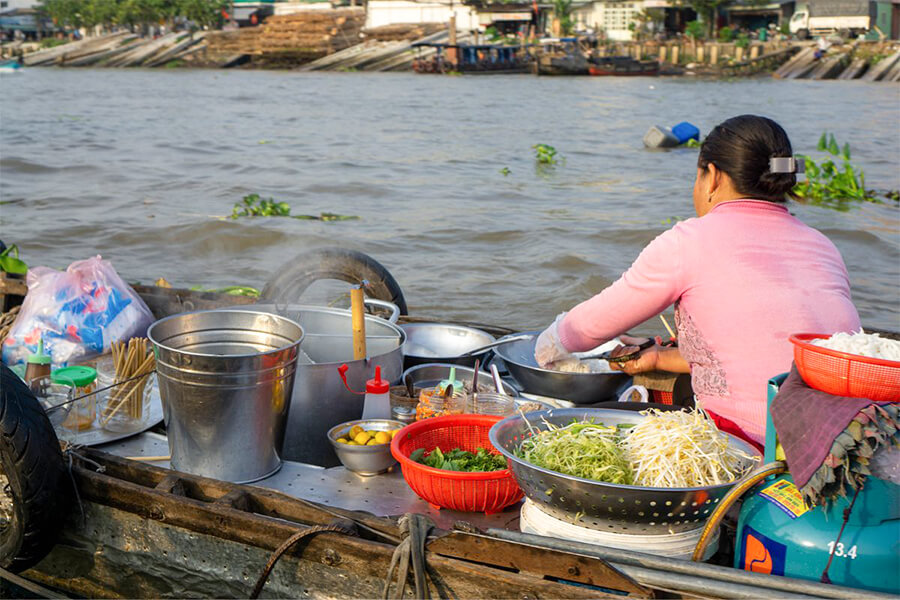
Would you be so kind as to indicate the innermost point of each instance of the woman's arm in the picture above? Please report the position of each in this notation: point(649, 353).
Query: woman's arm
point(653, 283)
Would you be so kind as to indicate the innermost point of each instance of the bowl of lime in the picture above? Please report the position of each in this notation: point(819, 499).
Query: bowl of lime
point(364, 446)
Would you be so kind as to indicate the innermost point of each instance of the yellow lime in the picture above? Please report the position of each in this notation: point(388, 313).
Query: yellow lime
point(341, 440)
point(393, 432)
point(382, 437)
point(354, 431)
point(352, 443)
point(362, 438)
point(372, 442)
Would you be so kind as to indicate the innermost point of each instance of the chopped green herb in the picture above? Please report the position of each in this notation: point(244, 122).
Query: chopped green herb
point(460, 460)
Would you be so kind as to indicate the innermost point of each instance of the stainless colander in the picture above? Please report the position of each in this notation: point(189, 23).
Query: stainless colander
point(605, 506)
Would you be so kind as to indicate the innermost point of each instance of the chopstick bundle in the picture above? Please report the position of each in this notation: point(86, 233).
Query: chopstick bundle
point(132, 362)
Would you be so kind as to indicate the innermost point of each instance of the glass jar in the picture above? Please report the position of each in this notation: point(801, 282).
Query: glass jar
point(491, 403)
point(84, 381)
point(432, 404)
point(124, 408)
point(54, 398)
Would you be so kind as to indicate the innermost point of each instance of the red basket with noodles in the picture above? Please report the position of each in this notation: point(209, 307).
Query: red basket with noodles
point(843, 374)
point(487, 492)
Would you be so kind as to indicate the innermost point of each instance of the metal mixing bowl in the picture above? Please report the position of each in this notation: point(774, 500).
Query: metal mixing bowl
point(442, 343)
point(364, 460)
point(605, 506)
point(580, 388)
point(430, 374)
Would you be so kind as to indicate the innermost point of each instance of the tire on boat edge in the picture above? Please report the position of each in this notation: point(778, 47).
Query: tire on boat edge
point(39, 486)
point(292, 278)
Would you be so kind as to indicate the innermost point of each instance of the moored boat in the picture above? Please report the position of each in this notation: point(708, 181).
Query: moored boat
point(472, 59)
point(622, 66)
point(146, 530)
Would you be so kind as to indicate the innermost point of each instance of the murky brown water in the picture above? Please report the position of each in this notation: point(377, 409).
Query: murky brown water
point(135, 165)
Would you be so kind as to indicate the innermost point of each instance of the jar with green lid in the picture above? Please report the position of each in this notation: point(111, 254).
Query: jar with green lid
point(83, 379)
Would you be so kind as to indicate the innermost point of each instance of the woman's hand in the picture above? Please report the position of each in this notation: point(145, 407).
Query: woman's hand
point(548, 349)
point(646, 361)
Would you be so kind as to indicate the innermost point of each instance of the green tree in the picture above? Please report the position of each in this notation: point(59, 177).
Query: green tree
point(563, 11)
point(708, 10)
point(205, 13)
point(99, 12)
point(64, 13)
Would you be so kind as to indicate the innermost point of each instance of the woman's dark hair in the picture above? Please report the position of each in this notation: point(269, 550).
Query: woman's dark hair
point(742, 147)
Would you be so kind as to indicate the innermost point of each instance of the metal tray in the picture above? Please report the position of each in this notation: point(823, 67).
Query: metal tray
point(97, 435)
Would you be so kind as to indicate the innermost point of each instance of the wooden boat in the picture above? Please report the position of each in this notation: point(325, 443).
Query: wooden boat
point(472, 59)
point(559, 57)
point(622, 66)
point(140, 530)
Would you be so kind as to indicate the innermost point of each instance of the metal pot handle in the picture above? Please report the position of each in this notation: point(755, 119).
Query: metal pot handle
point(395, 310)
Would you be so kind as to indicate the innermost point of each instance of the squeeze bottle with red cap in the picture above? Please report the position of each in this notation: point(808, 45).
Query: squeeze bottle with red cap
point(378, 398)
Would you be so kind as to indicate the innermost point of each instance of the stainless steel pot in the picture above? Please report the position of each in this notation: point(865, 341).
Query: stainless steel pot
point(225, 378)
point(442, 343)
point(320, 399)
point(580, 388)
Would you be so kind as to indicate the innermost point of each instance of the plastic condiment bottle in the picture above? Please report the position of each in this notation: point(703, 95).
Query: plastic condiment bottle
point(38, 364)
point(377, 404)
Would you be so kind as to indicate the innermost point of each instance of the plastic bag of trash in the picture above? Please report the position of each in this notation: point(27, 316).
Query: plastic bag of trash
point(78, 312)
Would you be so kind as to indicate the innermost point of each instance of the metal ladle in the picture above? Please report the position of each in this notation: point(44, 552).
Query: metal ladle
point(500, 342)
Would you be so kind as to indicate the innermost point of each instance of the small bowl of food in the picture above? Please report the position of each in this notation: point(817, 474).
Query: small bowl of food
point(364, 446)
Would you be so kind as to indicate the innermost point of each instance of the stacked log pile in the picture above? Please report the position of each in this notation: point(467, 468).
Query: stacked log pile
point(300, 37)
point(403, 32)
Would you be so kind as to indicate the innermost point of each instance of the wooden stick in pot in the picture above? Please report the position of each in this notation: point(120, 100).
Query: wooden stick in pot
point(358, 314)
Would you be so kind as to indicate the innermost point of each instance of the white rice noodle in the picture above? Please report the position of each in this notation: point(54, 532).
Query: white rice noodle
point(862, 344)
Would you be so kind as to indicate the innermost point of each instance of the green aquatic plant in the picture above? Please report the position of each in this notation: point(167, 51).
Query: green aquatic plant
point(11, 263)
point(505, 171)
point(834, 182)
point(545, 154)
point(252, 205)
point(325, 216)
point(231, 290)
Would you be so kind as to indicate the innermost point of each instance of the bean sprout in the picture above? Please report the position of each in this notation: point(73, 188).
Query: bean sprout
point(681, 449)
point(675, 449)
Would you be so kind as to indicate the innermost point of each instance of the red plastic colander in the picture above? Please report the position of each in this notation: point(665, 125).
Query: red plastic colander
point(843, 374)
point(470, 492)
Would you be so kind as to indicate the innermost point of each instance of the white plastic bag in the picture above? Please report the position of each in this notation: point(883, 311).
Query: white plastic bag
point(79, 313)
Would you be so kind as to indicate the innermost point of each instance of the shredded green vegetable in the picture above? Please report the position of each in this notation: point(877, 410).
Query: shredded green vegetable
point(665, 450)
point(582, 449)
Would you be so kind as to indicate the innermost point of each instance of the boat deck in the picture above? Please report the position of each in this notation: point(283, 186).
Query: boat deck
point(385, 495)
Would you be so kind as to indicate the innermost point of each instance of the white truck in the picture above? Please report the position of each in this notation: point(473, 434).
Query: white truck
point(849, 18)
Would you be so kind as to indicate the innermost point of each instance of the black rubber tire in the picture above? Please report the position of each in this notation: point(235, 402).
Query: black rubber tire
point(803, 34)
point(33, 464)
point(293, 277)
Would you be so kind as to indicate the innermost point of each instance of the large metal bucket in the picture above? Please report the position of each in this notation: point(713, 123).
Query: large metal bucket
point(320, 400)
point(226, 378)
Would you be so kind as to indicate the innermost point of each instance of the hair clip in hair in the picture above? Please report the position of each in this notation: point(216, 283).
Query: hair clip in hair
point(786, 164)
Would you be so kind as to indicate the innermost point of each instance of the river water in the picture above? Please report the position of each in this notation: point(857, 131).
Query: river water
point(136, 165)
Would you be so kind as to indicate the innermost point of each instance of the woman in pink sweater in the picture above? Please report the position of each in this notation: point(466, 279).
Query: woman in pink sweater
point(743, 277)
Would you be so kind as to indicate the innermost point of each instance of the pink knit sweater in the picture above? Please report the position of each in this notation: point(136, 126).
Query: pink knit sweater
point(742, 278)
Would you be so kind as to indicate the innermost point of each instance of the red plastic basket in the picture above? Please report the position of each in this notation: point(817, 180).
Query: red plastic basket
point(843, 374)
point(470, 492)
